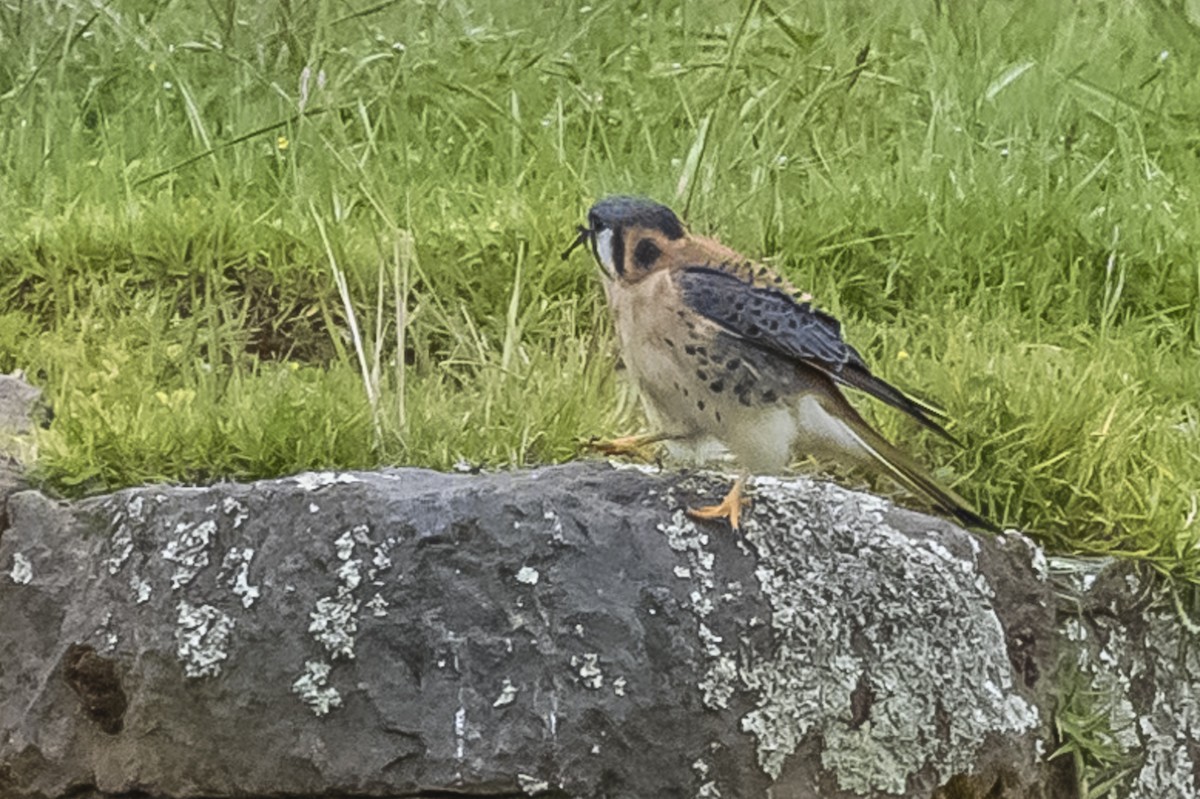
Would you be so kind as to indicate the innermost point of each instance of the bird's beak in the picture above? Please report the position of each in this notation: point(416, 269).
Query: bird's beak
point(585, 235)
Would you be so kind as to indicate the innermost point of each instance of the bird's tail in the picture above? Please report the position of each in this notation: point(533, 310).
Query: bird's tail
point(928, 416)
point(878, 452)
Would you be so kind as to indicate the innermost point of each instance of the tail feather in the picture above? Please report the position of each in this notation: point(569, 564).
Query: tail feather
point(884, 391)
point(903, 469)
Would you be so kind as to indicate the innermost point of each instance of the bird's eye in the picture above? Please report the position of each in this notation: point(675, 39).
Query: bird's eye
point(646, 253)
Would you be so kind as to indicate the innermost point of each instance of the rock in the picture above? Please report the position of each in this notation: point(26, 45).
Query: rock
point(564, 632)
point(1130, 675)
point(19, 405)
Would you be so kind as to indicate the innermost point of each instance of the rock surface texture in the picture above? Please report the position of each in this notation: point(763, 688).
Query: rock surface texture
point(19, 407)
point(1130, 675)
point(19, 404)
point(563, 632)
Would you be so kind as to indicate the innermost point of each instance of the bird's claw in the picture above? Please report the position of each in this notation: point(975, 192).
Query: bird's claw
point(640, 448)
point(730, 507)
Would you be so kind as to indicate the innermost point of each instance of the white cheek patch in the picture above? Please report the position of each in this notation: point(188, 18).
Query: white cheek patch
point(604, 251)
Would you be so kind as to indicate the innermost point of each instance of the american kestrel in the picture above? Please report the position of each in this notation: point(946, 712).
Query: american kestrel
point(727, 359)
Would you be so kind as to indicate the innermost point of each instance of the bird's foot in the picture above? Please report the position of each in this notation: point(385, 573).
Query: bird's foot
point(729, 508)
point(640, 447)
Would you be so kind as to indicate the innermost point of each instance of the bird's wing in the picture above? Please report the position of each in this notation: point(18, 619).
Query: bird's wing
point(776, 322)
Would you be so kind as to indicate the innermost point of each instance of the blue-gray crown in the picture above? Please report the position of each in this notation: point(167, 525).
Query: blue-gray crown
point(621, 212)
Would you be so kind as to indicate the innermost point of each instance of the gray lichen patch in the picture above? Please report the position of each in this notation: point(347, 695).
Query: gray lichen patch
point(202, 638)
point(532, 786)
point(334, 620)
point(885, 645)
point(720, 681)
point(882, 638)
point(21, 572)
point(382, 558)
point(313, 688)
point(235, 572)
point(187, 547)
point(590, 674)
point(1172, 721)
point(141, 589)
point(335, 624)
point(508, 694)
point(1139, 670)
point(311, 481)
point(122, 547)
point(234, 508)
point(378, 606)
point(125, 515)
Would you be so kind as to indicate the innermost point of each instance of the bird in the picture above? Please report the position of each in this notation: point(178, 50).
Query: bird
point(729, 358)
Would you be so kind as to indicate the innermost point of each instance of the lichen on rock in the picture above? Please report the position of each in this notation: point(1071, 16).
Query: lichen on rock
point(885, 645)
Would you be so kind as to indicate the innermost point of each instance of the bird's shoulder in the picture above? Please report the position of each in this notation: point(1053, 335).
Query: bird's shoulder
point(703, 252)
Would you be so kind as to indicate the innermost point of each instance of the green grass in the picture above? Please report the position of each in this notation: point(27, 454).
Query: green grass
point(998, 199)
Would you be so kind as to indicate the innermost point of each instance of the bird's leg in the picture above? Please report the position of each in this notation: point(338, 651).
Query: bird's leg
point(638, 447)
point(729, 508)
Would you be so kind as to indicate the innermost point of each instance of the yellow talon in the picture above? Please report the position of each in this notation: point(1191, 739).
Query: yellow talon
point(638, 447)
point(729, 508)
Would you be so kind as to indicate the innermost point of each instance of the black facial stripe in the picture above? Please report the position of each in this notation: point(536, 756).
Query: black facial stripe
point(618, 251)
point(646, 253)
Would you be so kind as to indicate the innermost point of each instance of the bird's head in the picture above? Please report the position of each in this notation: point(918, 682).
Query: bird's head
point(628, 236)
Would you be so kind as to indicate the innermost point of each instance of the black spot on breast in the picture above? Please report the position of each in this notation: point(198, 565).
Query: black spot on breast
point(717, 385)
point(689, 349)
point(742, 390)
point(701, 374)
point(733, 364)
point(700, 404)
point(718, 417)
point(769, 396)
point(646, 253)
point(668, 342)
